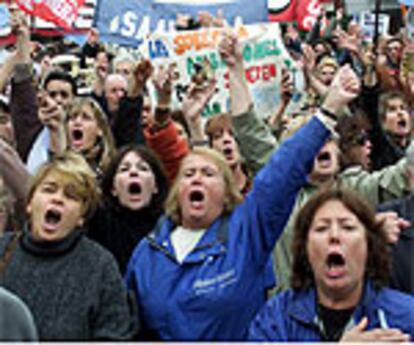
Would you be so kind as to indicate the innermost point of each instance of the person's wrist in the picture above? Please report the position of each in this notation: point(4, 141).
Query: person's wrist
point(328, 113)
point(236, 68)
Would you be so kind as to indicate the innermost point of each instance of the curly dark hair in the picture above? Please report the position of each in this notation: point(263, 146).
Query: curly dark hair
point(156, 205)
point(378, 263)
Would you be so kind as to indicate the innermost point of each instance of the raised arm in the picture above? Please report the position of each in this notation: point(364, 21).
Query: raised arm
point(194, 103)
point(254, 136)
point(162, 135)
point(23, 103)
point(15, 176)
point(277, 184)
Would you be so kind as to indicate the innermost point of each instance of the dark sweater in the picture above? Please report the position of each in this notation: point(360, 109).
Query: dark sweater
point(402, 277)
point(120, 230)
point(72, 287)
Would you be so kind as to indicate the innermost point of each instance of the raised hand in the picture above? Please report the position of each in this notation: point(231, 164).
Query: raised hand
point(308, 58)
point(163, 82)
point(51, 114)
point(287, 87)
point(143, 71)
point(196, 99)
point(359, 333)
point(392, 225)
point(343, 89)
point(230, 50)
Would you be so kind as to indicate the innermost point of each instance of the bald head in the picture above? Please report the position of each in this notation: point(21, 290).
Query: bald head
point(115, 89)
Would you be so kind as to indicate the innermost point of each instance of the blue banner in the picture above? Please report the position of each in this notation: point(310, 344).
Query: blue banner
point(129, 22)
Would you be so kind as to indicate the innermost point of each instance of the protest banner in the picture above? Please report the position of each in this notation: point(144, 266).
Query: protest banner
point(367, 22)
point(263, 51)
point(39, 26)
point(304, 12)
point(60, 12)
point(130, 22)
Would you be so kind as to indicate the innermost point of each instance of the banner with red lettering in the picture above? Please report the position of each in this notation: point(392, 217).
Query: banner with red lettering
point(264, 56)
point(60, 12)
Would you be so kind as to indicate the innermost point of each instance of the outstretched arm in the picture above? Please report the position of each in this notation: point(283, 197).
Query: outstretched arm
point(14, 173)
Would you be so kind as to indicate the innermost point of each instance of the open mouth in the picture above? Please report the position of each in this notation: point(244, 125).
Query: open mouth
point(134, 188)
point(402, 123)
point(324, 157)
point(335, 263)
point(77, 134)
point(227, 152)
point(196, 196)
point(52, 217)
point(335, 260)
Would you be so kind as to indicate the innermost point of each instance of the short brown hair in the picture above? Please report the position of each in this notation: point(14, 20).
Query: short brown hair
point(217, 123)
point(378, 262)
point(71, 167)
point(385, 98)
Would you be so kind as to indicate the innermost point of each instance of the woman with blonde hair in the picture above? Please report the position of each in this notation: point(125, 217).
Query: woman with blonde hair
point(72, 285)
point(201, 274)
point(89, 134)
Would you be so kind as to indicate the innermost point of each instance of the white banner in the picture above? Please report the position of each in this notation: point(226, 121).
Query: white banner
point(264, 55)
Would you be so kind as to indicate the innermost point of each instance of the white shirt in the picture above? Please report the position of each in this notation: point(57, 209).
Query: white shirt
point(185, 240)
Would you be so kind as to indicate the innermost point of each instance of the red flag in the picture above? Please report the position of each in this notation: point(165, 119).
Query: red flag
point(60, 12)
point(281, 10)
point(306, 13)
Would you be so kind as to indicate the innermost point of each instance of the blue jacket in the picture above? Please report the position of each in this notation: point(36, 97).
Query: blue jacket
point(292, 316)
point(219, 288)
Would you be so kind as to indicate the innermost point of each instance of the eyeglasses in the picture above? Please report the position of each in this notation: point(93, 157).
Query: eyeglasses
point(361, 139)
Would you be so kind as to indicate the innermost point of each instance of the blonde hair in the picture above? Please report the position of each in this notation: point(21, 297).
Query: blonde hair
point(232, 196)
point(72, 168)
point(108, 145)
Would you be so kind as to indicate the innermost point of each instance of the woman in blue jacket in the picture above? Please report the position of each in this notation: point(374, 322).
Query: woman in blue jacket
point(201, 274)
point(341, 265)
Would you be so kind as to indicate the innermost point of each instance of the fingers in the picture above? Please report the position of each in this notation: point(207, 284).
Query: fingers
point(362, 324)
point(50, 113)
point(348, 79)
point(386, 335)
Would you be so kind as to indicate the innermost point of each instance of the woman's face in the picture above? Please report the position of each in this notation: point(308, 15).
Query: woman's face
point(55, 208)
point(397, 118)
point(134, 183)
point(83, 129)
point(326, 163)
point(360, 152)
point(201, 192)
point(223, 141)
point(337, 251)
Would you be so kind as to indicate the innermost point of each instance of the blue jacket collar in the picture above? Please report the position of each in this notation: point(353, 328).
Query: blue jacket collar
point(212, 242)
point(303, 306)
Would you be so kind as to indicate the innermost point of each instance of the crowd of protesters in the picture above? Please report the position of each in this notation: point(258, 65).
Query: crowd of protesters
point(122, 218)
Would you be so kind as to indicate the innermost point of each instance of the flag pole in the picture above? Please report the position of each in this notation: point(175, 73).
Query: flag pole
point(376, 28)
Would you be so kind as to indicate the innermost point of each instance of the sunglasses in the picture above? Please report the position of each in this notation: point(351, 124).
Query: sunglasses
point(361, 139)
